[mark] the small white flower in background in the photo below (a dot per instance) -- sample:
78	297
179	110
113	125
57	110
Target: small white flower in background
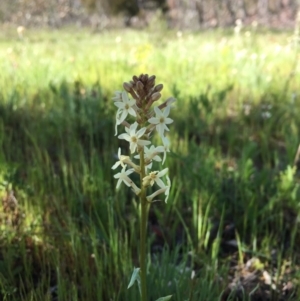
161	120
133	137
20	31
238	26
123	177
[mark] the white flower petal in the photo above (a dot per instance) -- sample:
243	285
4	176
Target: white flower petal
160	183
157	111
126	183
116	165
157	158
168	120
132	112
163	172
123	116
119	104
141	132
119	183
124	136
167	111
124	96
134	126
160	149
132	147
153	120
143	142
131	102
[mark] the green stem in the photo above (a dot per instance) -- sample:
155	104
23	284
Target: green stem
143	230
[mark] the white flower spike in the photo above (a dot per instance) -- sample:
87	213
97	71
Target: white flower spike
143	93
138	107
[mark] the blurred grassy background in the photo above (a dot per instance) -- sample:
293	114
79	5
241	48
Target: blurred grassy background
235	194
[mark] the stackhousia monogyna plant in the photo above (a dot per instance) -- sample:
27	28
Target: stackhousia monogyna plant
137	103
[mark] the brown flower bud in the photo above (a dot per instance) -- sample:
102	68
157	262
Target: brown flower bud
155	96
145	77
151	78
139	85
151	82
158	88
127	87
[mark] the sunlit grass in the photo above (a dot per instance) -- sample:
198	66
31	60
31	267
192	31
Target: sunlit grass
253	62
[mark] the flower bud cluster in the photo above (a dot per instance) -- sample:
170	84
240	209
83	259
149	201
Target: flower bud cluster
136	101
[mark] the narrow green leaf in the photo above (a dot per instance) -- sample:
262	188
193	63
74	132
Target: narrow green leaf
165	298
135	276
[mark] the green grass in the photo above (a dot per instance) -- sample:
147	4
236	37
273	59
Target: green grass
234	139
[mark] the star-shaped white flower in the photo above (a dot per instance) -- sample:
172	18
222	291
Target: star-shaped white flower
123	177
165	189
125	106
133	137
151	153
117	96
125	160
154	177
161	120
122	160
